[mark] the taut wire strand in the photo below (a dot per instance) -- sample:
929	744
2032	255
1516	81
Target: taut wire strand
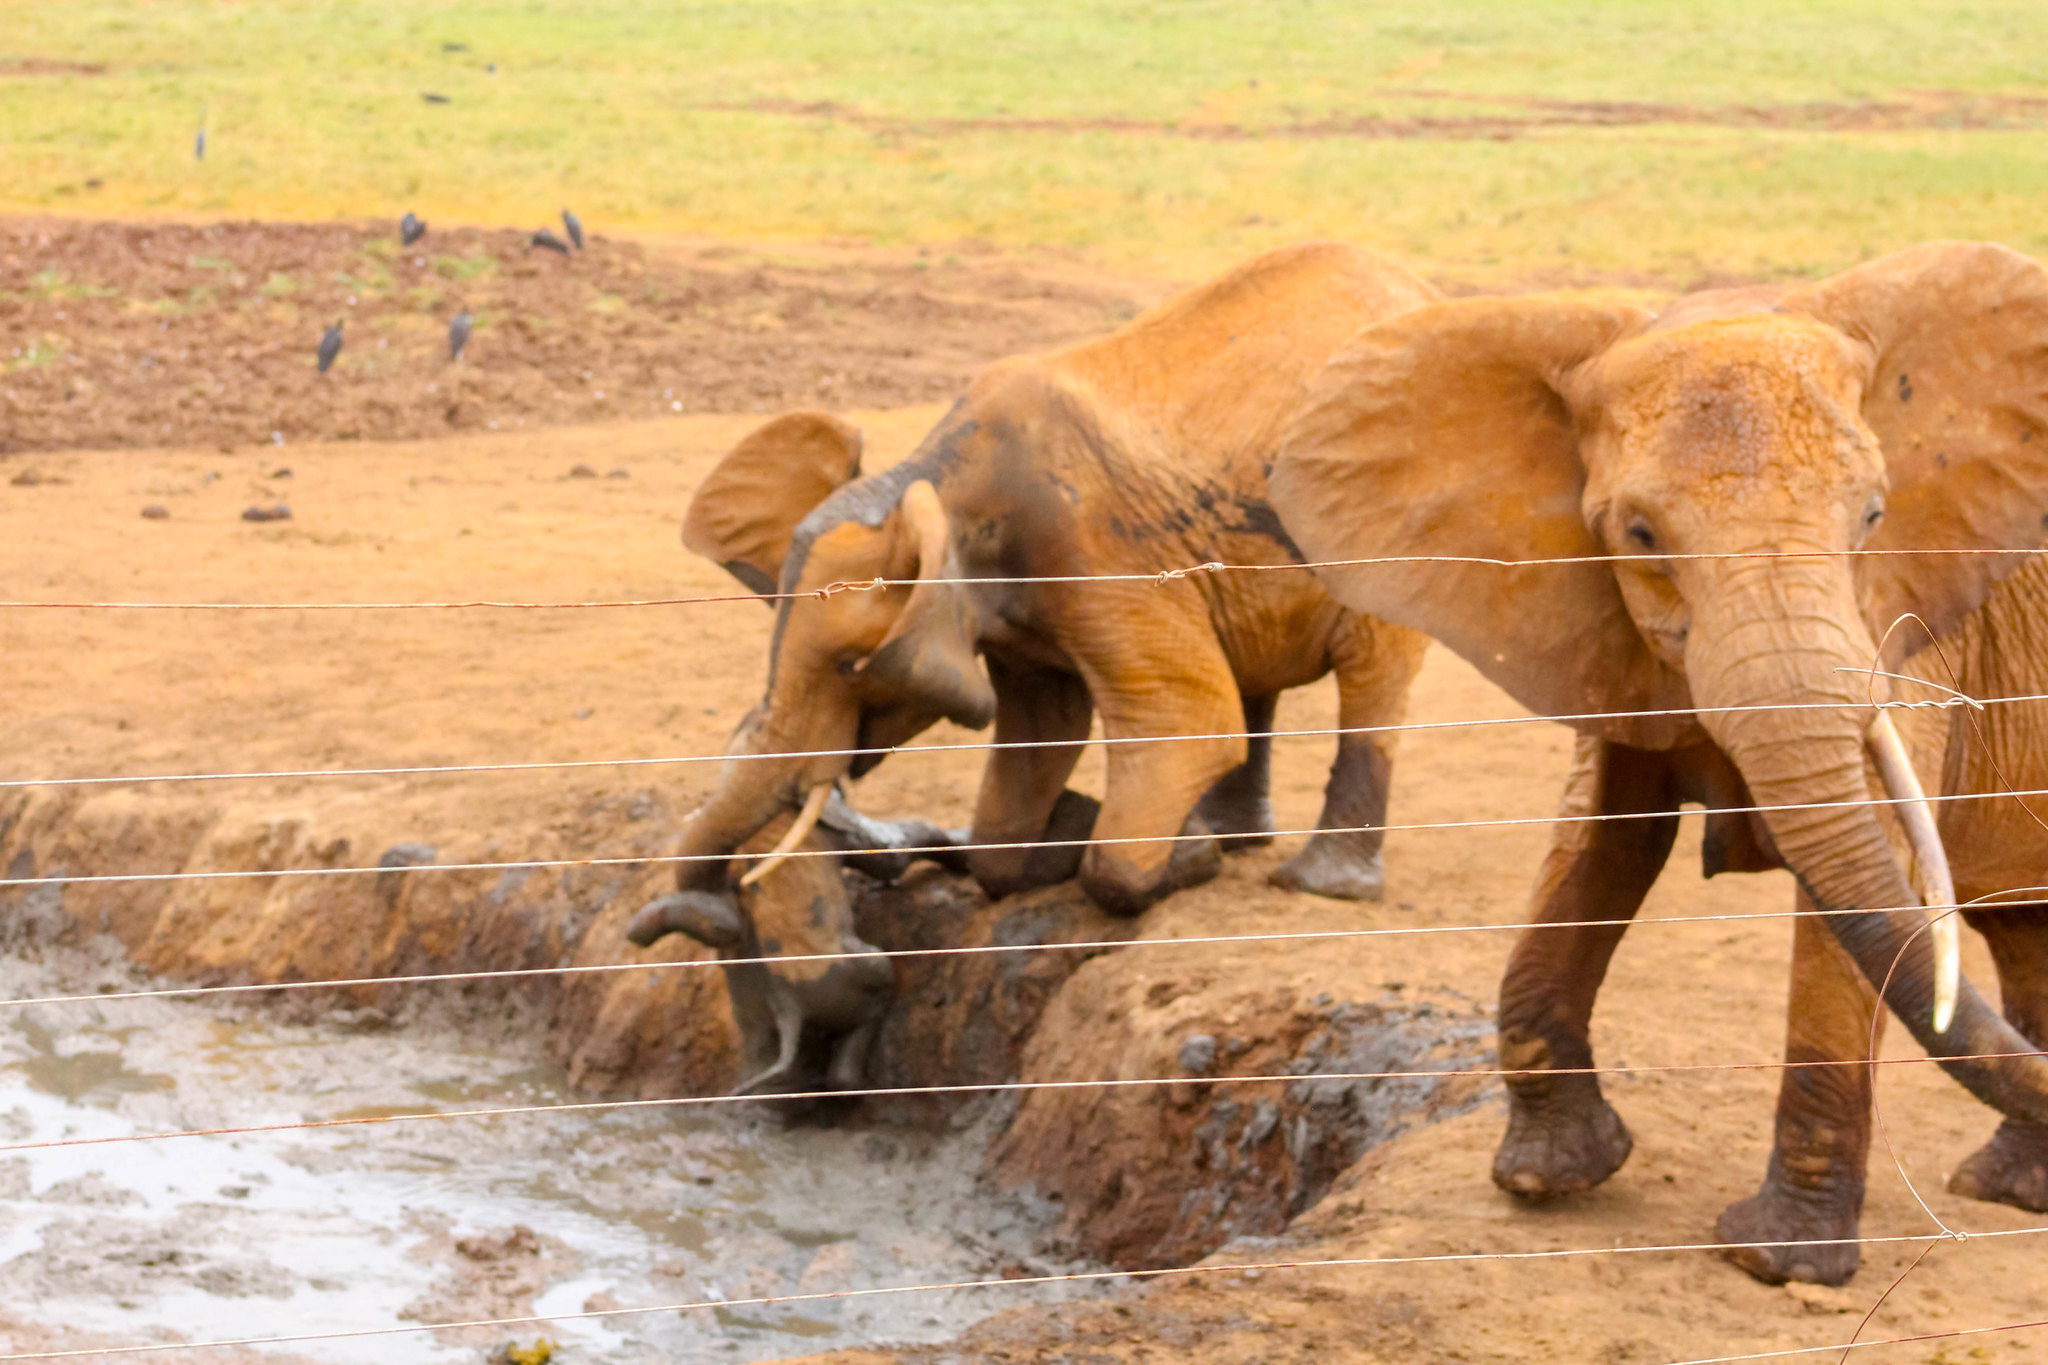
1077	1277
1009	1087
1936	704
966	950
1158	578
647	859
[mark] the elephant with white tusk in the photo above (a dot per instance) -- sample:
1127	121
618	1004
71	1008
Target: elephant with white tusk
1709	474
807	993
1129	457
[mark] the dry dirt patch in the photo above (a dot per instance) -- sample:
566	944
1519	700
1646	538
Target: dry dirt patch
171	334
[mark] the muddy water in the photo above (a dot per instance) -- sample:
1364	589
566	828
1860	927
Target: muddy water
393	1224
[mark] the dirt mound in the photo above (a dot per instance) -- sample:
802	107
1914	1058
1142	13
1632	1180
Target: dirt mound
164	334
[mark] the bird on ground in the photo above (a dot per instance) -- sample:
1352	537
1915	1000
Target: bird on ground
458	335
575	226
330	346
547	239
410	229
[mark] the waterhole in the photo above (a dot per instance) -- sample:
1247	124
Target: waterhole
422	1221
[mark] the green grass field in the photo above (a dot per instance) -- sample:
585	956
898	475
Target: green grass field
1170	136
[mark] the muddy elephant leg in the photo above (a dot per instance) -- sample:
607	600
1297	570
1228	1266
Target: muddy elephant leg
2013	1167
787	1032
1562	1134
1022	789
1178	687
1813	1188
849	1066
1375	665
1238	806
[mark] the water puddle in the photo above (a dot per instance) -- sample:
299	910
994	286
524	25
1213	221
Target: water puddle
385	1225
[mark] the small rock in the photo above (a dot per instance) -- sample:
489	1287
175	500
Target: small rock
156	511
408	854
284	473
582	471
275	512
586	713
1818	1298
501	1244
1264	1123
620	474
1198	1055
234	1191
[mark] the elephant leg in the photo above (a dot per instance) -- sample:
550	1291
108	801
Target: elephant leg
1237	806
1022	789
2013	1167
1813	1188
1375	665
849	1066
1178	687
1562	1134
781	1073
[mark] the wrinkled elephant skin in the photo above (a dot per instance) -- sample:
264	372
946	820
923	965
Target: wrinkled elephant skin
1706	476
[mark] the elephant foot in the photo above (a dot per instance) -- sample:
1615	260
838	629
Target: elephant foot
2012	1168
1008	871
1325	867
1785	1214
1565	1141
1242	823
1123	889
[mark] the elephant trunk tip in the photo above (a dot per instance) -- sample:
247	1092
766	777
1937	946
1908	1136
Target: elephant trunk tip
711	920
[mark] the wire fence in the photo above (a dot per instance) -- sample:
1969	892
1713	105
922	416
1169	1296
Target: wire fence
1949	698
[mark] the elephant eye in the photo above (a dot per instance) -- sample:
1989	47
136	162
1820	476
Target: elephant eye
1642	536
1874	515
848	666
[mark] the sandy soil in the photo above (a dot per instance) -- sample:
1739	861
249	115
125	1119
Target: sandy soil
104	693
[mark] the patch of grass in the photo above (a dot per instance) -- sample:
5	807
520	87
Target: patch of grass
462	269
34	354
1180	134
52	284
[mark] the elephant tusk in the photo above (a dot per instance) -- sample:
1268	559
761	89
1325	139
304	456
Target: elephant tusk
814	805
1932	878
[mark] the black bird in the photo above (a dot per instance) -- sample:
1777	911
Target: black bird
330	346
575	226
410	229
458	335
199	145
550	241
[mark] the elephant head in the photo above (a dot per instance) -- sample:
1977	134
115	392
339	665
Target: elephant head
786	512
1708	468
807	991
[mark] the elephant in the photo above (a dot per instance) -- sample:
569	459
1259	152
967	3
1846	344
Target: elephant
805	1024
1716	484
1136	454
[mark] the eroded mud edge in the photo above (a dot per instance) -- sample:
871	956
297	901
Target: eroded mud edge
1146	1175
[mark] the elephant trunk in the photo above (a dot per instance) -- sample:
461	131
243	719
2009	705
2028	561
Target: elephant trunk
1793	638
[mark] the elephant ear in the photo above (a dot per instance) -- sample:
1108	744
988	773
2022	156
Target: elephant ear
1958	398
748	507
1447	432
928	661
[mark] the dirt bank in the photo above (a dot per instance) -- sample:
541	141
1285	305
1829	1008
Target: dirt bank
171	334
